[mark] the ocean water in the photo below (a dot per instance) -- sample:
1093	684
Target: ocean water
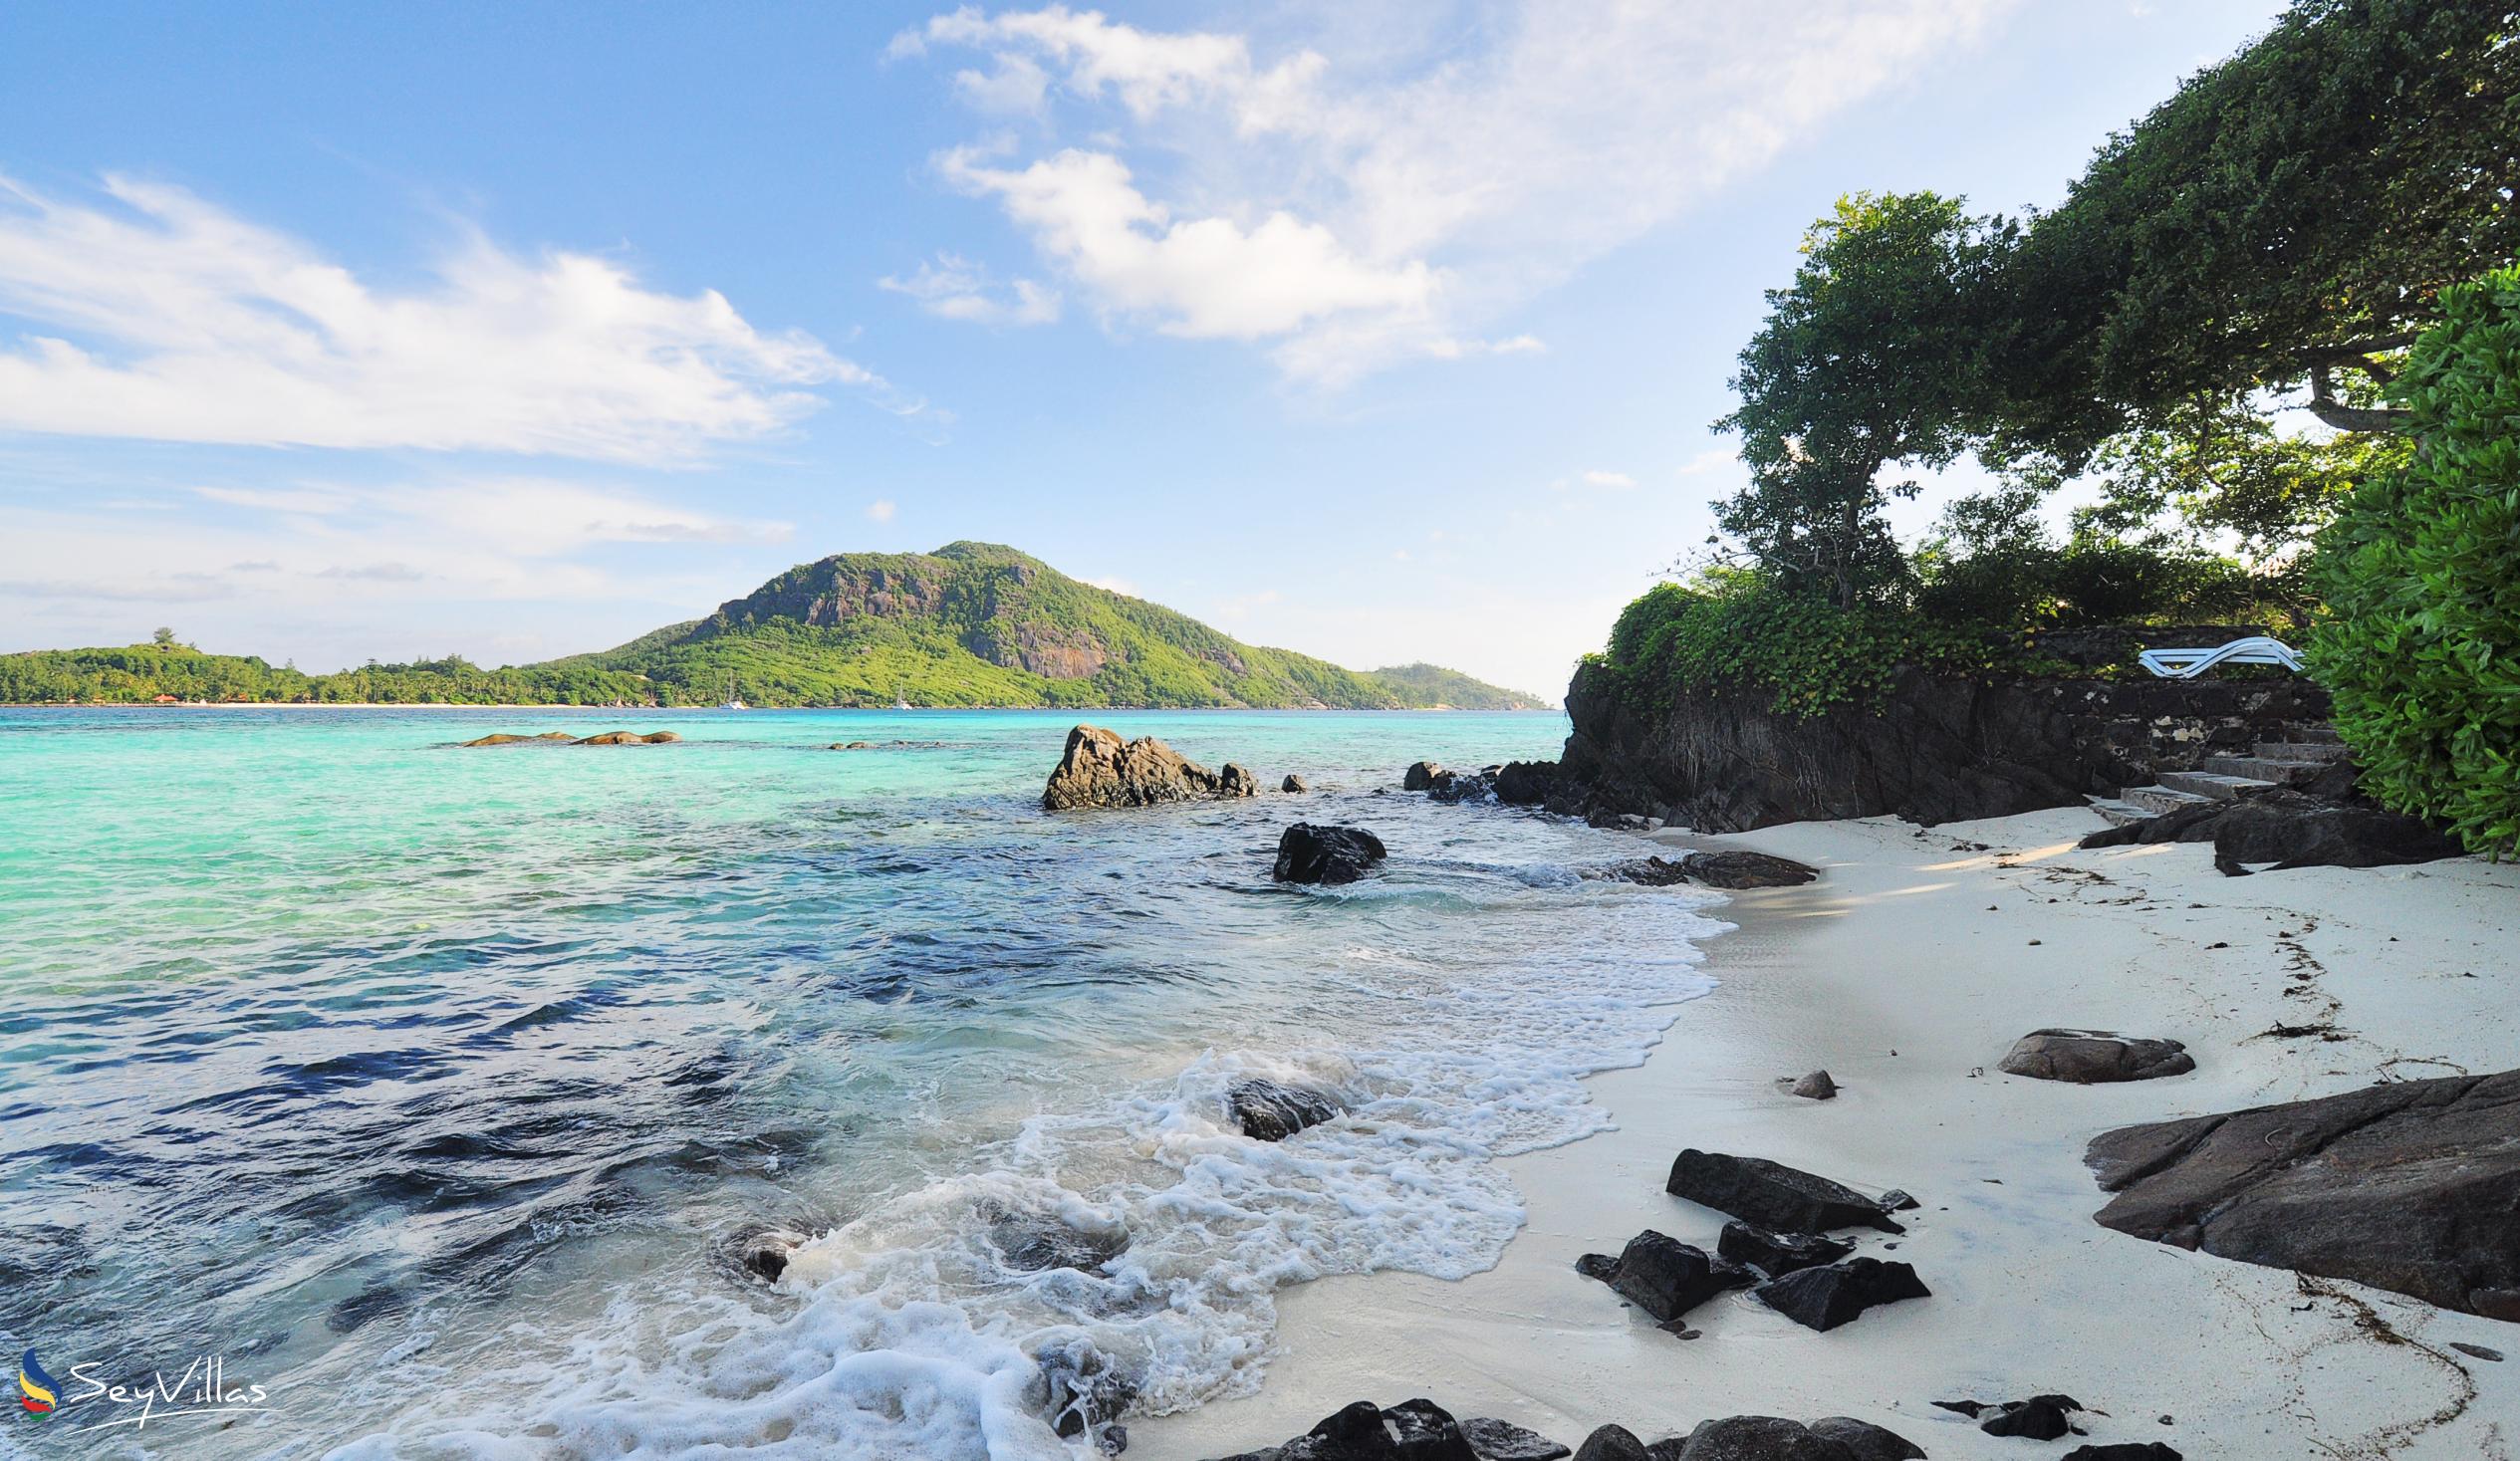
432	1090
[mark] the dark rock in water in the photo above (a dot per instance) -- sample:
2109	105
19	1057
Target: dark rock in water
353	1313
1269	1112
1031	1242
1414	1430
1777	1254
2094	1057
1419	776
1293	783
1647	871
502	738
1613	1443
853	746
1734	868
1526	783
768	1251
1333	855
2412	1186
2039	1418
2125	1451
1099	769
1771	1195
2291	829
1083	1392
1816	1087
1498	1440
1928	749
1827	1296
1865	1441
1461	785
1772	1438
626	738
1663	1275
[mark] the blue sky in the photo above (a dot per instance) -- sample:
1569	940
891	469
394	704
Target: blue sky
1384	332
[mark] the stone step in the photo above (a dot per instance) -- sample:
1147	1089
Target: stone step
2159	799
2210	784
2261	768
2316	752
2116	813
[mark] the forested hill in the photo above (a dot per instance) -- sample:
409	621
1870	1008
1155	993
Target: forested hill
970	624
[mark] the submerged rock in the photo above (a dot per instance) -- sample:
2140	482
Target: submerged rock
1663	1275
1268	1110
502	738
1771	1195
1099	769
2412	1186
1776	1254
1334	855
768	1252
1736	867
1461	785
1826	1297
627	738
2095	1057
852	745
1031	1242
1084	1392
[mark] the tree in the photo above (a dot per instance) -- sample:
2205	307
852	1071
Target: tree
1871	359
2214	473
2421	577
2292	212
164	638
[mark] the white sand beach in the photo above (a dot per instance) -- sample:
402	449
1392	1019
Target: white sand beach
1907	971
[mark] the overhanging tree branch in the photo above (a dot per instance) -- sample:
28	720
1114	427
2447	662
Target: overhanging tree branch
2325	405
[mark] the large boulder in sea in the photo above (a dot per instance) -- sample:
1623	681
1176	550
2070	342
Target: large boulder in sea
2411	1186
2095	1057
1310	854
1099	769
1272	1110
627	738
503	738
1419	776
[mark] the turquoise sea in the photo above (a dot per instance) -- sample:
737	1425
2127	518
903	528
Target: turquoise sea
433	1090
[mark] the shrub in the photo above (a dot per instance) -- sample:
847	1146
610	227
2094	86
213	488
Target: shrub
1755	634
2421	577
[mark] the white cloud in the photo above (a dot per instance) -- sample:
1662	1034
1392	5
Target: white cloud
1388	201
163	317
954	288
1203	278
882	510
1117	586
1597	477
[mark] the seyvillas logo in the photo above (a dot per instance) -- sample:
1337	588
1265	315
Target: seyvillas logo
36	1392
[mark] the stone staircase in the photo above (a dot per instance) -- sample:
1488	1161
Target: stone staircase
2222	777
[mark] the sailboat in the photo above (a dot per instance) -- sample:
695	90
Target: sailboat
732	703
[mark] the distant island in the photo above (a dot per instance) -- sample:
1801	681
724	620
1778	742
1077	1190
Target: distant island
972	624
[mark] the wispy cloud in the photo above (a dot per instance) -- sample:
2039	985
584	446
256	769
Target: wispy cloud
951	287
882	510
153	314
1391	200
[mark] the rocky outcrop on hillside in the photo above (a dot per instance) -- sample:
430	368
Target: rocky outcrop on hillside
1100	769
1935	749
2412	1186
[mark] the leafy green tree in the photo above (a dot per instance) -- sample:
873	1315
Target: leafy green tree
2422	578
163	638
2213	474
2293	211
1872	360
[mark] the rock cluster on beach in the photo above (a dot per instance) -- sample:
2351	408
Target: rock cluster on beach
2306	826
1421	1430
1099	769
2411	1186
562	738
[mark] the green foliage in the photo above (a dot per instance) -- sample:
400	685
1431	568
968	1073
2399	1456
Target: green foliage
2422	579
1428	685
2209	472
1812	655
2294	207
971	624
1872	357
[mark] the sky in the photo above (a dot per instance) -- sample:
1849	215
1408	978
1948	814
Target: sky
1383	332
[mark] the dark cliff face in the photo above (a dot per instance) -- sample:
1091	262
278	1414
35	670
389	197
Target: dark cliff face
1935	750
832	590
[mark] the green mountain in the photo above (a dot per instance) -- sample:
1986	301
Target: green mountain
1434	686
970	624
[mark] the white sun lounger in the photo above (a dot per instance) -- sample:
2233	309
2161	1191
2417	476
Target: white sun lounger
2182	664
